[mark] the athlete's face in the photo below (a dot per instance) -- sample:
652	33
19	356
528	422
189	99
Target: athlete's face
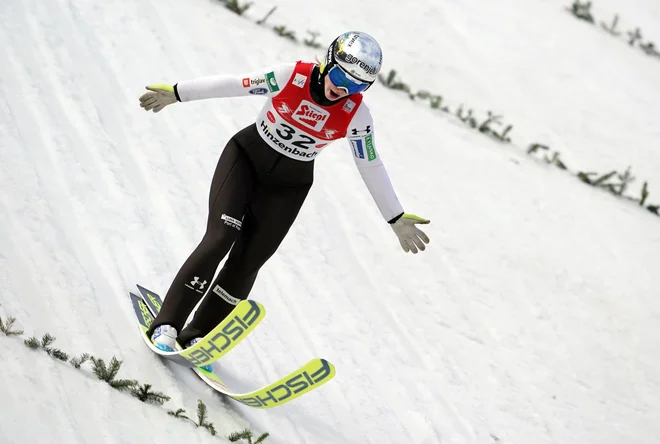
332	92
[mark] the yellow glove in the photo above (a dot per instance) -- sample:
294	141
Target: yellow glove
158	97
410	237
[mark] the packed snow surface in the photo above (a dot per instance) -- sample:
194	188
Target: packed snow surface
532	317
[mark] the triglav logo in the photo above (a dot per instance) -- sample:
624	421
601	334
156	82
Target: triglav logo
311	116
254	82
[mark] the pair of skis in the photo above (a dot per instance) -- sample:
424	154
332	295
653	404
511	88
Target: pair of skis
225	336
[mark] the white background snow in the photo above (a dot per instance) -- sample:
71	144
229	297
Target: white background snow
533	316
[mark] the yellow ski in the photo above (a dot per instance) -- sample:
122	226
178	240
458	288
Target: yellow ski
307	378
232	330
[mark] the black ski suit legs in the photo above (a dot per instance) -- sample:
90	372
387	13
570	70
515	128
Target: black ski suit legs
266	223
252	206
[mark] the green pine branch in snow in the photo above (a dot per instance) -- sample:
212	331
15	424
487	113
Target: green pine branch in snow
108	373
493	119
392	83
282	31
645	194
466	118
77	362
179	413
145	394
634	36
57	354
235	6
612	27
247	436
32	343
263	20
7	327
533	148
311	42
45	344
554	160
649	49
582	11
202	418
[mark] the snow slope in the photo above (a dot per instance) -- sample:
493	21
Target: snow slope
530	318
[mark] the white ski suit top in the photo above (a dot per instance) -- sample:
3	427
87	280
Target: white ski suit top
293	142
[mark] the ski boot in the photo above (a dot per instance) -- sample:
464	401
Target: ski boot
164	337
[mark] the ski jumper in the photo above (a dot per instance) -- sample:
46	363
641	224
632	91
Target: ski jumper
260	183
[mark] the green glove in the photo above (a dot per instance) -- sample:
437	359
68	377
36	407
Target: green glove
158	97
410	237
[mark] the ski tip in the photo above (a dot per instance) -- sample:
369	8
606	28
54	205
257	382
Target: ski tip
143	288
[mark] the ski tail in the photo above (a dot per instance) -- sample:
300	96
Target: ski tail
153	300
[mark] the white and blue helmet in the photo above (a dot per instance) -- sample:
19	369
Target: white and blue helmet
357	53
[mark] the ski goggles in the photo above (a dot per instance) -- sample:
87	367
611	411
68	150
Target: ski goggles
341	79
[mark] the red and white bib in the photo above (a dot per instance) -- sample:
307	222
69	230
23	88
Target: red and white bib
294	125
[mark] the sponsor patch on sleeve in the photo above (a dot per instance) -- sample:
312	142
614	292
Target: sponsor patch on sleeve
358	151
271	81
369	143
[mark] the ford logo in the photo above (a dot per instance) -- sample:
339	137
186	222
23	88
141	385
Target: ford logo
258	91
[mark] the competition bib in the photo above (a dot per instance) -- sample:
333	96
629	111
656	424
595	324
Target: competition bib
292	124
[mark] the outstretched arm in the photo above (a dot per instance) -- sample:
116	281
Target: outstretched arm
267	81
362	138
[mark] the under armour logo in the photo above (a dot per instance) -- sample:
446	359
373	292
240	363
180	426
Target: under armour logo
367	130
195	282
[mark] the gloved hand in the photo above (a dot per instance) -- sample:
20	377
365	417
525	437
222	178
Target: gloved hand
410	237
158	97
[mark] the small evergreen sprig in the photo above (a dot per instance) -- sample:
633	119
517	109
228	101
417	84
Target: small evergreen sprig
179	413
634	36
611	28
582	11
45	344
485	127
312	41
202	418
391	82
247	435
263	20
235	6
7	327
109	372
554	160
145	394
282	31
77	362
